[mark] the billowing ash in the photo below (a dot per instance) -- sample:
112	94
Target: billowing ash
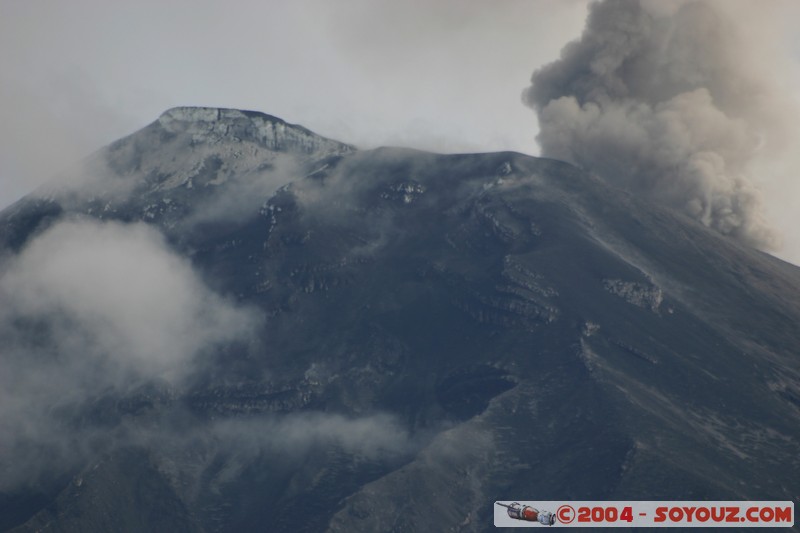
663	99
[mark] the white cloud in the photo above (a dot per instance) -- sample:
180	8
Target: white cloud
130	299
90	309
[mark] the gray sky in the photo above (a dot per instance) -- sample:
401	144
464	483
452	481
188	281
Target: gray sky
443	75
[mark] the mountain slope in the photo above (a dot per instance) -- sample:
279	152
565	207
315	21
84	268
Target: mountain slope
436	332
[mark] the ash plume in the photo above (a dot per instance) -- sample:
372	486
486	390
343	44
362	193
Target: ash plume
672	100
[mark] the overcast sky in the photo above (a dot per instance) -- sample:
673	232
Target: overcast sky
443	75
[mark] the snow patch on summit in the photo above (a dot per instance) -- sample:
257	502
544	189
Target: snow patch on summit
212	125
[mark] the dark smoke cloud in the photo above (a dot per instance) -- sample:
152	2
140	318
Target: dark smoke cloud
666	99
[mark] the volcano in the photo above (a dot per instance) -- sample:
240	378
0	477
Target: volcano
430	333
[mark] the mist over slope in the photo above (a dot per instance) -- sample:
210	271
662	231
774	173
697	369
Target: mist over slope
224	319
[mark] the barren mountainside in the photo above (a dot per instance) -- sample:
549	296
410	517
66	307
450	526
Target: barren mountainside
391	340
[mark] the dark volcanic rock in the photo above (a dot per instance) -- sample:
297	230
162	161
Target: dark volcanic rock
529	332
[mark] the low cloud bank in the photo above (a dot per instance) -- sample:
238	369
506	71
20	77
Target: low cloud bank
91	309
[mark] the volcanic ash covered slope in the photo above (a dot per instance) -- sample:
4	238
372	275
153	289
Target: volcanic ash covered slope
391	341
